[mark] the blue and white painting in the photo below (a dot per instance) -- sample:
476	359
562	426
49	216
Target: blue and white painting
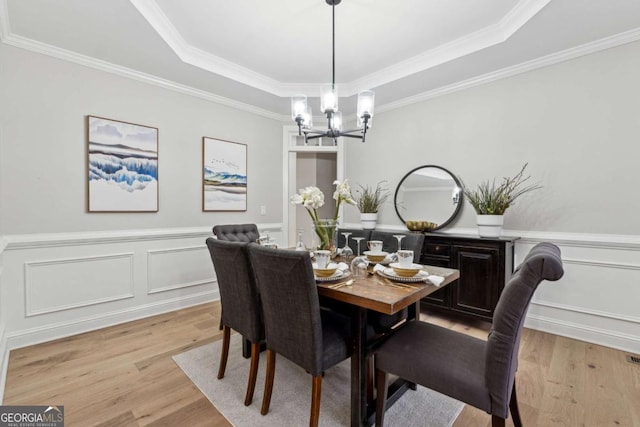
123	166
224	175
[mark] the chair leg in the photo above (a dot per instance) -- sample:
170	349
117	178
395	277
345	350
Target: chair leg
253	372
226	336
496	421
268	381
316	393
382	384
513	405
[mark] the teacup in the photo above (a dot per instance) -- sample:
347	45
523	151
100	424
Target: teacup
322	258
405	258
375	245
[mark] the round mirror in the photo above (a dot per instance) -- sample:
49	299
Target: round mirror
428	194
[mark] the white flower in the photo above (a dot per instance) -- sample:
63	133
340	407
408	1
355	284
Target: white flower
309	197
343	192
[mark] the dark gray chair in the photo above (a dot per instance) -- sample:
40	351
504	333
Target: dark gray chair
239	297
477	372
295	326
237	232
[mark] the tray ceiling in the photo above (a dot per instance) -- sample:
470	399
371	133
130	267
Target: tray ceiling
260	52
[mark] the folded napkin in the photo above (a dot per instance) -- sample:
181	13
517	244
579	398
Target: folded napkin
379	267
343	266
436	280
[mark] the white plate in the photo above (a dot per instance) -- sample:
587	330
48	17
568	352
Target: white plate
339	274
390	274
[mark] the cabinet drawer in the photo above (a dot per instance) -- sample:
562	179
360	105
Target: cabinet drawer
437	261
436	249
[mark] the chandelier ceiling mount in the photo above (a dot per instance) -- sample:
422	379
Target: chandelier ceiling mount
302	113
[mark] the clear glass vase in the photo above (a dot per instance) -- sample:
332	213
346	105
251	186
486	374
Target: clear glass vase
326	235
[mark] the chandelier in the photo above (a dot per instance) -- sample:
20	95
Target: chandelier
302	115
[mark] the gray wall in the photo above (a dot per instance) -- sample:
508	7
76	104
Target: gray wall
576	123
43	165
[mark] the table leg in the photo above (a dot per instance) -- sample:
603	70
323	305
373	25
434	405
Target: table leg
359	368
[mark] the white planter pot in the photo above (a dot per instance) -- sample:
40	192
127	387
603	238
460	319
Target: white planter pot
368	220
489	225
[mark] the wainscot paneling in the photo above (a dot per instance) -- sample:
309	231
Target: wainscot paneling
597	298
56	285
64	284
177	268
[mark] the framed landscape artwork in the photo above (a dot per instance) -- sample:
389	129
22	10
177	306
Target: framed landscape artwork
122	166
224	183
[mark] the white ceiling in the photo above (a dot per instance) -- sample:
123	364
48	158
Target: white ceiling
258	52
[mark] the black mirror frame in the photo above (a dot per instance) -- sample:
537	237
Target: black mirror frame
455	179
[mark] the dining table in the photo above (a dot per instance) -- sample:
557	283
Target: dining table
377	292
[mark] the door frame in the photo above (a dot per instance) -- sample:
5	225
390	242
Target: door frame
289	155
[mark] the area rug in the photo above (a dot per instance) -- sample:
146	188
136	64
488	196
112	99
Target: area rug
291	398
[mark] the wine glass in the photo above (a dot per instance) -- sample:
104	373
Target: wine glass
300	246
346	250
399	237
358	239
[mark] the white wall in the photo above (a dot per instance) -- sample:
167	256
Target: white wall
64	270
576	124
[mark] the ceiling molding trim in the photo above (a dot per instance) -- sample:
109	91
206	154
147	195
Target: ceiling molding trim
474	42
5	28
189	54
87	61
545	61
486	37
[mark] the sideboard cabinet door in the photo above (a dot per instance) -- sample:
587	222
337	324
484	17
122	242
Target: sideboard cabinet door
485	266
479	287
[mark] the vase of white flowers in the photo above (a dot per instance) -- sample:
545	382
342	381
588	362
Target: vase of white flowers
325	229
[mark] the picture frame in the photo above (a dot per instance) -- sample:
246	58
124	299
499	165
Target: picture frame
224	175
122	166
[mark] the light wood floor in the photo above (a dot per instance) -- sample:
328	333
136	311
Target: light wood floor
124	376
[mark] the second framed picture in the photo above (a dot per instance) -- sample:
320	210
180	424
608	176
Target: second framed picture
224	183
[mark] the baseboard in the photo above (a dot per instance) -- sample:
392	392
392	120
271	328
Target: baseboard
603	337
55	331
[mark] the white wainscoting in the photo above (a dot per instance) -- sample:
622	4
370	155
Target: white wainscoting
57	285
47	283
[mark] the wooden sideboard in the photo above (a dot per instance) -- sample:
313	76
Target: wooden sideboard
485	265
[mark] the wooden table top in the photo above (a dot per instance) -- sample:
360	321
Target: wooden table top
386	296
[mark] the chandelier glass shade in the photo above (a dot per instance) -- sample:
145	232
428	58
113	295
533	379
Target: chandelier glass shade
302	114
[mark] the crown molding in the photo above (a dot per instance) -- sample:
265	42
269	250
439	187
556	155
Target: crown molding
87	61
189	54
474	42
486	37
545	61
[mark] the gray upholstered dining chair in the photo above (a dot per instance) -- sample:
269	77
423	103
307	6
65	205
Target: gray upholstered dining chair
477	372
295	326
237	232
239	296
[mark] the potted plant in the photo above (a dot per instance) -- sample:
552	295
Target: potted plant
369	200
491	200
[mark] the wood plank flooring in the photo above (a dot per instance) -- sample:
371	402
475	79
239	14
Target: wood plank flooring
124	376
